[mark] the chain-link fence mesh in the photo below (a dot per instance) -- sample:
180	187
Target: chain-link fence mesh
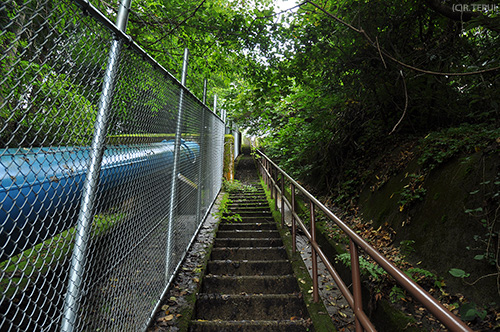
54	56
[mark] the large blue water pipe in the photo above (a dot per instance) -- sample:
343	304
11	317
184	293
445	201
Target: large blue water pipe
40	187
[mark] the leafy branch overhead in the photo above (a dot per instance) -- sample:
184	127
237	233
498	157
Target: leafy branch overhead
342	75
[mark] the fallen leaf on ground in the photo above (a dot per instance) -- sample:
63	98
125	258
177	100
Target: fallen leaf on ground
166	318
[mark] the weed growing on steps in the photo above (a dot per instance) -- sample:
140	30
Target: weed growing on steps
223	212
236	186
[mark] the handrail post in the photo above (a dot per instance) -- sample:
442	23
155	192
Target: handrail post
269	175
271	180
264	170
275	171
314	257
294	227
282	200
356	284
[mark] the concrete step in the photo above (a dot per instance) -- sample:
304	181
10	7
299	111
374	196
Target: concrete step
256	219
248	193
229	226
245	203
244	214
248	242
245	210
242	268
249	203
248	198
283	284
259	199
297	325
249	234
260	253
250	307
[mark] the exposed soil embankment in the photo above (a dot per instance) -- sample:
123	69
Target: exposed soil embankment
446	217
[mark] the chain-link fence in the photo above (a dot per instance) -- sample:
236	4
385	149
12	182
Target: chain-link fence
107	168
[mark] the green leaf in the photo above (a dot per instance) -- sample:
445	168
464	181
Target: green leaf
479	209
458	273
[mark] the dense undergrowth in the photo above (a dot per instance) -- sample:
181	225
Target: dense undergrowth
373	170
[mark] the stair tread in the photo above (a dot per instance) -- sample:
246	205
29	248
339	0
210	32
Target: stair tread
281	325
242	290
210	296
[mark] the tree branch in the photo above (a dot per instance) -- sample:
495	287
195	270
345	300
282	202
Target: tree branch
463	15
178	25
382	51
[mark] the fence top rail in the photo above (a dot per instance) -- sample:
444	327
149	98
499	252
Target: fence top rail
86	6
434	306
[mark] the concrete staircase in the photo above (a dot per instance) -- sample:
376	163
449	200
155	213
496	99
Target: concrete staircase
249	283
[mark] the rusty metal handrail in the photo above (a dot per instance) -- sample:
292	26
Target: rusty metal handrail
267	167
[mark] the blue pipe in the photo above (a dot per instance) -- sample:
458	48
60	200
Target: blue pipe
40	188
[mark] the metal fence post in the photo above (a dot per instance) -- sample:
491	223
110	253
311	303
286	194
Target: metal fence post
85	216
202	136
177	147
205	91
200	163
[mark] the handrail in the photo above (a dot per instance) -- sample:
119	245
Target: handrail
267	167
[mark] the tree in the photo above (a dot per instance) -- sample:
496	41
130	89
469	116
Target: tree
354	73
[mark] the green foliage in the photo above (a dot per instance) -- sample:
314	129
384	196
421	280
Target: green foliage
419	275
470	311
397	294
224	211
330	98
412	192
438	147
488	196
458	273
45	99
42	257
406	247
367	268
236	186
220	35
